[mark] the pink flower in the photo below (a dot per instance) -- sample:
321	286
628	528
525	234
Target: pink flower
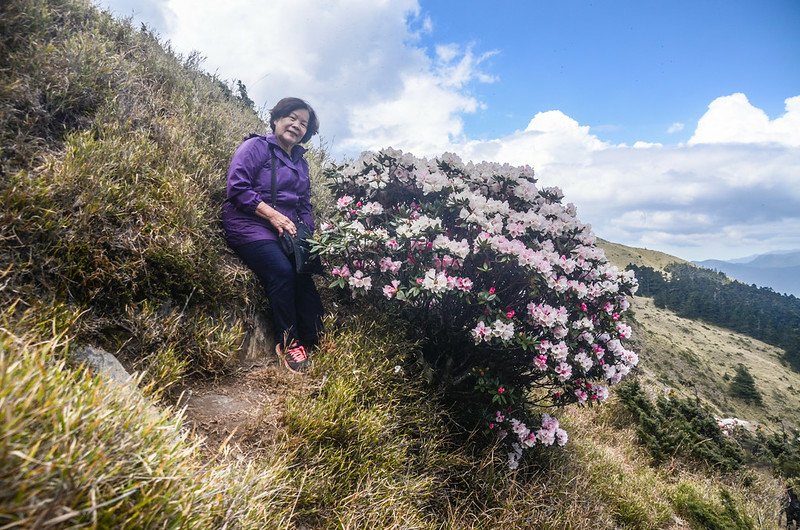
510	313
492	290
561	437
360	281
392	244
540	362
390	290
481	332
615	316
343	201
501	390
387	264
464	284
564	371
342	272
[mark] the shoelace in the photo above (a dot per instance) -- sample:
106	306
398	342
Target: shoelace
297	353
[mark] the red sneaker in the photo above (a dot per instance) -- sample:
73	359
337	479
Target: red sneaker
294	358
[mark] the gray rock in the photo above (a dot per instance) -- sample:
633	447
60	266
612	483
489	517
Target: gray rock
259	343
100	362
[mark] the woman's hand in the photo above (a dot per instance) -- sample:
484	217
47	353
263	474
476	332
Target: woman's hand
276	219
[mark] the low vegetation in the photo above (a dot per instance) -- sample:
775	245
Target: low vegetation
76	451
113	158
710	296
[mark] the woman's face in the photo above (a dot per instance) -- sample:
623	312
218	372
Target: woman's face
290	129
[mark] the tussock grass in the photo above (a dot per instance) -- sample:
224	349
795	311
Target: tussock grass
79	451
371	442
372	447
114	157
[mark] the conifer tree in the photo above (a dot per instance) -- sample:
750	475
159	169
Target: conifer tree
743	386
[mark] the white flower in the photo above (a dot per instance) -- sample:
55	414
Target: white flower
435	283
372	208
359	281
502	330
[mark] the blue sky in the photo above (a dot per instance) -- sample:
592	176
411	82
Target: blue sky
630	69
673	126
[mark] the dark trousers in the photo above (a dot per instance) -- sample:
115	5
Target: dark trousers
296	306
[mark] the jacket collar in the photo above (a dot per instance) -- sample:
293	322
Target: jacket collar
297	150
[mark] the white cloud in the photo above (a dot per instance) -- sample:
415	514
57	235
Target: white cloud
733	119
356	61
675	127
699	200
551	137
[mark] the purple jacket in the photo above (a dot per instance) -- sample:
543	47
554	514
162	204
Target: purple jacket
249	182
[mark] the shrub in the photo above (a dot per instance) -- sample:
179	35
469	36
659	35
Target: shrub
514	304
743	386
679	427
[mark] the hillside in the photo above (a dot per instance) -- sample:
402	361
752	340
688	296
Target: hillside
690	356
695	358
106	136
622	256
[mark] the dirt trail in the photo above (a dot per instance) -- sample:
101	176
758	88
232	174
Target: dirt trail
244	407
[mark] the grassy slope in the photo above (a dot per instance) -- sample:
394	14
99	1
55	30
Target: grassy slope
686	354
689	355
135	134
622	256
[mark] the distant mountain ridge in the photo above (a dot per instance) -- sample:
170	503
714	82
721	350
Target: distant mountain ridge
779	271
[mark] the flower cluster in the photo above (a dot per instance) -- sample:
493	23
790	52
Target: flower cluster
505	285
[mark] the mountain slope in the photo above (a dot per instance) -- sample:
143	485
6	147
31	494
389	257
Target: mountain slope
693	357
622	256
106	138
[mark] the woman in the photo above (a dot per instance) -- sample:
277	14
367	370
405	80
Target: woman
254	217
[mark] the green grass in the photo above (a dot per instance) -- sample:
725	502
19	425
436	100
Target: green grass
113	179
113	163
709	513
79	451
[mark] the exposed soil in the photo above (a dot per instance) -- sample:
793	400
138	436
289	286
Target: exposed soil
242	410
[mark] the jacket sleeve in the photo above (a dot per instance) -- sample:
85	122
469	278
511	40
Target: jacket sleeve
244	167
304	210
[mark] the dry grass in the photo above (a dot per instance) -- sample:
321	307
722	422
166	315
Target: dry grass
114	155
106	138
77	451
622	256
688	355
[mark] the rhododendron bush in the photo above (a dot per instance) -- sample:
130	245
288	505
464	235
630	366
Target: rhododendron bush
517	309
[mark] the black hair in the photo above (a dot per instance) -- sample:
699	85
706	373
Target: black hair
286	106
